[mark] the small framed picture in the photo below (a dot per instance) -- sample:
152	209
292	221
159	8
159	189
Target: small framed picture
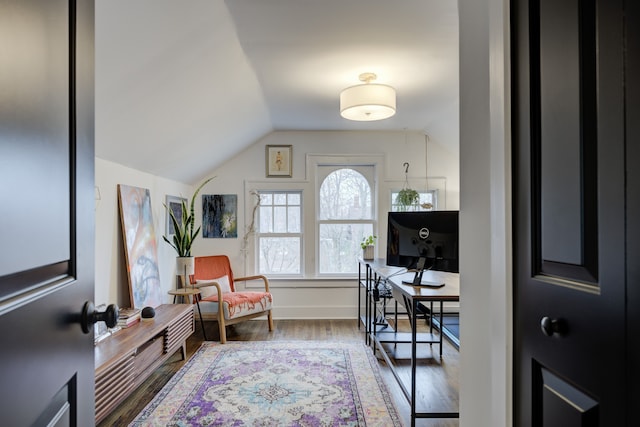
174	203
278	159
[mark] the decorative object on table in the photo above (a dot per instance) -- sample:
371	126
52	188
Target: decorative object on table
184	233
306	383
407	197
220	216
368	247
173	204
279	161
148	313
128	317
141	251
184	269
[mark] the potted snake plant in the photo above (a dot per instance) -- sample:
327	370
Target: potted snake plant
185	234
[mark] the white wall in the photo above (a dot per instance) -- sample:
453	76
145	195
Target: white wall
111	284
298	299
485	215
322	299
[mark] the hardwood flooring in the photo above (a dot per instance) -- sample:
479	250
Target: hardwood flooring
437	378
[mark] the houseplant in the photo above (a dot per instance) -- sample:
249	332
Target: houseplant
407	197
367	245
185	234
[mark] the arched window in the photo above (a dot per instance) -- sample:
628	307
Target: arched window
346	214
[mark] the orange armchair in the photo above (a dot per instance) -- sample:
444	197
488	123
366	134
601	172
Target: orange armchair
214	278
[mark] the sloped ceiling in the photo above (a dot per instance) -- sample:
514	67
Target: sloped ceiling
182	86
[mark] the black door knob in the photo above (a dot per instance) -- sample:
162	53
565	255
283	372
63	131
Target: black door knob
551	326
91	316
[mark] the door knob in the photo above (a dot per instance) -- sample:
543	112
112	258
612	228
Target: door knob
552	326
91	316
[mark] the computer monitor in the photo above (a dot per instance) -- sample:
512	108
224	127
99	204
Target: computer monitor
423	241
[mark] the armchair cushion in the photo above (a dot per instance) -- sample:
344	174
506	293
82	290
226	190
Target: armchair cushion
207	289
210	267
239	304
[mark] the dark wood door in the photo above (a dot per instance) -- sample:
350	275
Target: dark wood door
47	211
571	220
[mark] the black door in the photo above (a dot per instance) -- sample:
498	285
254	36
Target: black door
572	217
46	211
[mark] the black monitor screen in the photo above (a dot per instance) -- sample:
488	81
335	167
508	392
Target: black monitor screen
432	236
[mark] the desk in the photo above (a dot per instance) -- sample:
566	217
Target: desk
185	293
410	296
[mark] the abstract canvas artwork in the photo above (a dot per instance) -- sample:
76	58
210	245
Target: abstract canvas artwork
220	215
141	251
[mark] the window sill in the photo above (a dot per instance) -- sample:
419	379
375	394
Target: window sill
309	282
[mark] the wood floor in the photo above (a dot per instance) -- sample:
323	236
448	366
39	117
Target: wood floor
437	378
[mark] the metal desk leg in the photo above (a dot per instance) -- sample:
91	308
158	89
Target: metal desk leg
441	328
414	310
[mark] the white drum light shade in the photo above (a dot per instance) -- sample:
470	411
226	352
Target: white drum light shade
368	102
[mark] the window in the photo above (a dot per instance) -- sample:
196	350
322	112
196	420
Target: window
310	230
426	198
345	217
279	233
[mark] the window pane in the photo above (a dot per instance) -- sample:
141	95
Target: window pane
340	247
293	219
293	199
345	194
280	219
279	255
266	220
279	199
266	199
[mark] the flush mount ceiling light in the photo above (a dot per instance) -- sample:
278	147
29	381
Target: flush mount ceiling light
368	101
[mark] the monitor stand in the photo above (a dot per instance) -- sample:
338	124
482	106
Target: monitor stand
417	279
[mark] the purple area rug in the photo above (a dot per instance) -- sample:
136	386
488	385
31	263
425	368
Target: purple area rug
294	383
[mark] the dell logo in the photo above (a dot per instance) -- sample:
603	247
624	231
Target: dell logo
424	233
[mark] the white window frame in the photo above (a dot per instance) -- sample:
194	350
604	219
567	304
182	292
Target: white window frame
309	187
416	206
317	164
299	234
250	246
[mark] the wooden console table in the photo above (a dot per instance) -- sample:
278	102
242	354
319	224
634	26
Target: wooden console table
124	360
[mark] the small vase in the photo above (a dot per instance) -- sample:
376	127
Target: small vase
368	252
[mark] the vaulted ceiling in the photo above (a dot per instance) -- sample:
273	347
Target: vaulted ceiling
182	86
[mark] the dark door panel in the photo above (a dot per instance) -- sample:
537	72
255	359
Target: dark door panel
47	227
570	219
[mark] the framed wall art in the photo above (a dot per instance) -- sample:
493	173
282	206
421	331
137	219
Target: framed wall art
278	159
220	216
174	204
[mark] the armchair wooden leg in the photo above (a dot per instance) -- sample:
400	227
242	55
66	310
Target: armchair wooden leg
222	328
270	319
223	334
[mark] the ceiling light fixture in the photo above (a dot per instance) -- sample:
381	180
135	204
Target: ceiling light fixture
368	101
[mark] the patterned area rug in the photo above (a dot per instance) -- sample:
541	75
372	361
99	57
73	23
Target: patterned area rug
294	383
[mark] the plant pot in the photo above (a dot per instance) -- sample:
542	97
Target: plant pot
185	267
368	252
